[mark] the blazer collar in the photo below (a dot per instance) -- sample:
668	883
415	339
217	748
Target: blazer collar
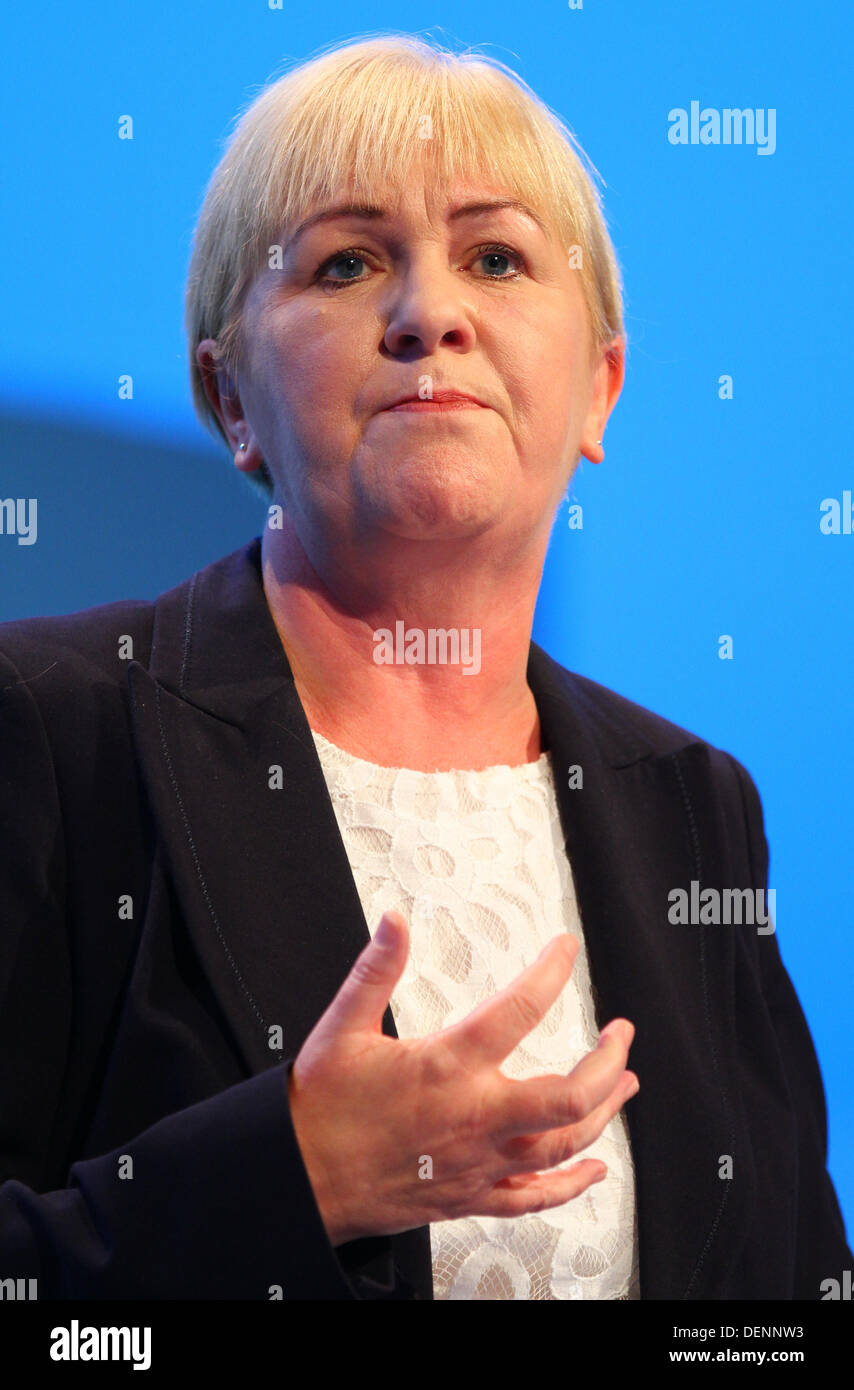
270	902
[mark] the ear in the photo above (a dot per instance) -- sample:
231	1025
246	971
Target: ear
221	390
608	377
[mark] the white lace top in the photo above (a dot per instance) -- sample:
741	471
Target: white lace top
476	863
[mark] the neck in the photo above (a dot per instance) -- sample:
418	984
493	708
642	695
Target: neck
460	700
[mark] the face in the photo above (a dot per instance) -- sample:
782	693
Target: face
451	292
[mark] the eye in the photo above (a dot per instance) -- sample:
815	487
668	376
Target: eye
495	251
350	255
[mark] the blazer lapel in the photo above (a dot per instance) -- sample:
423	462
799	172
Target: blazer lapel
641	825
243	812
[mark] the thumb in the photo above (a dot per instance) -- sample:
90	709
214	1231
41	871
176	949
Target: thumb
363	998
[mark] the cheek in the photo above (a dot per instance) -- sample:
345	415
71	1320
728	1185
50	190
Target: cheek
319	357
545	397
541	355
545	372
311	370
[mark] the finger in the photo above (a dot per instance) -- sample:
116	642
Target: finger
539	1152
517	1196
495	1027
363	997
552	1102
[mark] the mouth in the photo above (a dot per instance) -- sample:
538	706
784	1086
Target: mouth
424	407
441	400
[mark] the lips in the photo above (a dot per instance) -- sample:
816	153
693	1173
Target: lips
440	397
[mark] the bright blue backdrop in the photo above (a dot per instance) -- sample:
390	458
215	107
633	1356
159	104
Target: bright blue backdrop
703	519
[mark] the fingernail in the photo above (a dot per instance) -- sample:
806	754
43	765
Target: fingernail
384	932
620	1029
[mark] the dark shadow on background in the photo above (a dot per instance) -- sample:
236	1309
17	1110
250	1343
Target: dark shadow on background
118	516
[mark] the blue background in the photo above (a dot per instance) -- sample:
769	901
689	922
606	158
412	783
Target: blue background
703	519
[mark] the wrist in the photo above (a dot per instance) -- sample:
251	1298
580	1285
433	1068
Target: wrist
324	1193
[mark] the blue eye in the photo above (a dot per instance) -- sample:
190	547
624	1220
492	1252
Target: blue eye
500	253
349	255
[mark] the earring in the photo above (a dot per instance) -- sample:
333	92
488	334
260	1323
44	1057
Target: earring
243	446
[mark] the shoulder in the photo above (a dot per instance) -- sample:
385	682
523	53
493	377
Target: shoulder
88	642
626	732
647	730
69	671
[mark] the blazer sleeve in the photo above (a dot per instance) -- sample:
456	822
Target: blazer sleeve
821	1249
220	1204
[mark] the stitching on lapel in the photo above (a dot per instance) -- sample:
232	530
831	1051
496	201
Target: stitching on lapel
698	865
188	635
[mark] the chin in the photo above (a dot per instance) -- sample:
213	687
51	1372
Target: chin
437	510
441	490
436	521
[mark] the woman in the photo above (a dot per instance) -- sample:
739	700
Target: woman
329	874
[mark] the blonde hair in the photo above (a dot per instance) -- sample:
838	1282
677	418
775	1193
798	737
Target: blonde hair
357	116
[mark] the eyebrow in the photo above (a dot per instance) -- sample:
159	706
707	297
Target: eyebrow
368	212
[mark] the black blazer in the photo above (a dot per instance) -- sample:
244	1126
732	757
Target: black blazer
162	909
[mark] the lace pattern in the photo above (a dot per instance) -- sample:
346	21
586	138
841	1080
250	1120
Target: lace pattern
476	863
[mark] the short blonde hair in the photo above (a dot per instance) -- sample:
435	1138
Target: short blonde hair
357	116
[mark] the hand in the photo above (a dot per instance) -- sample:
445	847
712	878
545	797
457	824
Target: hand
368	1109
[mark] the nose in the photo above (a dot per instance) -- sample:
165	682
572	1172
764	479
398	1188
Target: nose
428	309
